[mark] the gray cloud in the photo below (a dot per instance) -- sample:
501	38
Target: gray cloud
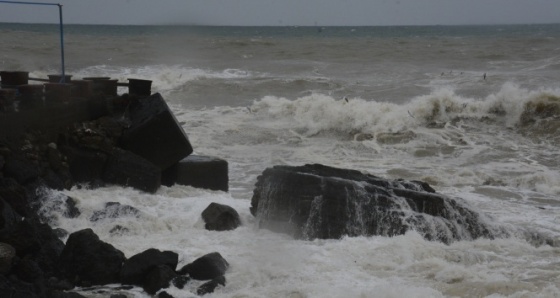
289	12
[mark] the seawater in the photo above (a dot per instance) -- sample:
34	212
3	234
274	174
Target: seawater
472	110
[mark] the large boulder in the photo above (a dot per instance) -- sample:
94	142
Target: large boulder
198	171
128	169
219	217
8	216
136	268
35	240
13	288
14	194
207	267
317	201
154	133
21	169
86	165
159	277
210	286
88	260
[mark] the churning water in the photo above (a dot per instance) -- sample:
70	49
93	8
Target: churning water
474	111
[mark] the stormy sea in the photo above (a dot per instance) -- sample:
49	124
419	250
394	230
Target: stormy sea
472	110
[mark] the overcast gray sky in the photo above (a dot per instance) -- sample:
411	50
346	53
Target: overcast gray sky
288	12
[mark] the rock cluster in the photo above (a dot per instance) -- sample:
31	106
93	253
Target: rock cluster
34	261
317	201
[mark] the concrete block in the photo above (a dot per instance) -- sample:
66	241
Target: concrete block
198	171
127	169
154	133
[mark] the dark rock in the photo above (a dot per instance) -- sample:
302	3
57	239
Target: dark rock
220	217
21	169
118	296
14	288
90	135
112	127
57	284
164	294
154	133
86	258
316	201
128	169
210	286
60	233
198	171
61	294
137	266
86	165
8	217
28	270
36	191
114	210
180	281
159	277
54	157
30	237
7	254
14	194
206	267
71	210
53	180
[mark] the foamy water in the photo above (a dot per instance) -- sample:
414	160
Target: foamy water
410	106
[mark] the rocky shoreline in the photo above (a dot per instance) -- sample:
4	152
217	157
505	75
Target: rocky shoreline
135	141
129	140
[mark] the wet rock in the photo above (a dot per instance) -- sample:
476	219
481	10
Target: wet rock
61	294
136	267
159	277
57	284
87	259
71	210
114	210
198	171
30	237
317	201
210	286
154	133
60	233
206	267
53	180
15	196
180	281
28	270
86	165
7	254
21	169
220	217
164	294
8	217
128	169
13	288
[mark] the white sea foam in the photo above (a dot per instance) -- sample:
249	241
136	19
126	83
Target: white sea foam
283	103
462	141
264	263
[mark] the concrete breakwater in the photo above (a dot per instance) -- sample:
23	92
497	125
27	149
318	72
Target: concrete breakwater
49	104
59	134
